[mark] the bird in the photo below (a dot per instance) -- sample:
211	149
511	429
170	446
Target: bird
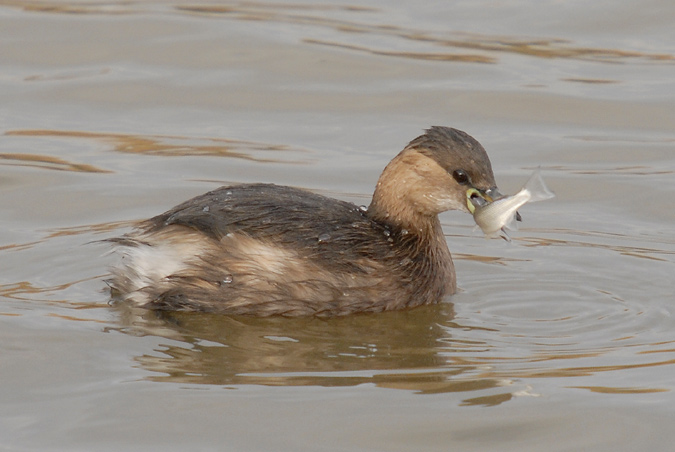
271	250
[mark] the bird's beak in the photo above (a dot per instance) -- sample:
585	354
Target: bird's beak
478	198
493	194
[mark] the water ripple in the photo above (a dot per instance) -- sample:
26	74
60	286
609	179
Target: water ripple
347	21
158	145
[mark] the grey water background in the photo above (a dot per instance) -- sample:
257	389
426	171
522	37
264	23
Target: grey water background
564	339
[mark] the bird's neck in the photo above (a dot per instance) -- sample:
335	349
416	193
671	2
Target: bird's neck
392	203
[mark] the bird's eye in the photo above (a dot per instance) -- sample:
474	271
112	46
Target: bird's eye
461	177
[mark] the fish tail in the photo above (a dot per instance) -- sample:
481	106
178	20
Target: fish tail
537	187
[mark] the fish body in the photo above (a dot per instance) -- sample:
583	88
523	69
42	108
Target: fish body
502	213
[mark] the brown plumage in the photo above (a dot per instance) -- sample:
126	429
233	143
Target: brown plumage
263	249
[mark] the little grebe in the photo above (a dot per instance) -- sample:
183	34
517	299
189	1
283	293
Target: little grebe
263	249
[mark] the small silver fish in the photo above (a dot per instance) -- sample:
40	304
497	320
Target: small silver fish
502	213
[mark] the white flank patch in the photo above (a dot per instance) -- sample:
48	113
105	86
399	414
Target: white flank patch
146	265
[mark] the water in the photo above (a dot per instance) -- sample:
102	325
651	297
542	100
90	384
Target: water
563	339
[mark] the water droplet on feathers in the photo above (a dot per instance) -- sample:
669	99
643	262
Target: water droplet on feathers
324	237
